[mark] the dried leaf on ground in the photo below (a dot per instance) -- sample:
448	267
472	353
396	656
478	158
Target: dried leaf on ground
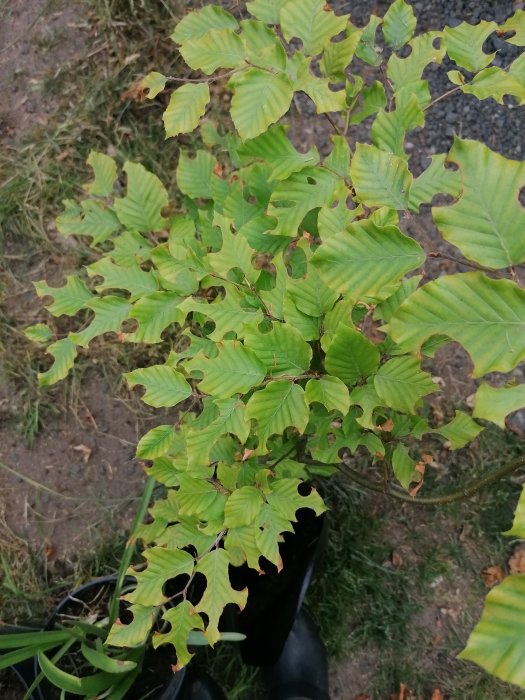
492	575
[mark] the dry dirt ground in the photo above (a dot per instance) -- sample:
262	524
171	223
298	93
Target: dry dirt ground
78	480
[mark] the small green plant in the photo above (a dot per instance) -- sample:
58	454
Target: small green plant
305	322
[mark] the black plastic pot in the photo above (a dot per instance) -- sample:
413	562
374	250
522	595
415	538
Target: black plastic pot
154	667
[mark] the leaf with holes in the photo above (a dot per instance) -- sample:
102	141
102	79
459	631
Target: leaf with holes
182	620
67	300
105	171
90	218
110	312
164	385
312	22
132	279
134	633
140	210
425	48
329	391
464	44
162	565
154	83
487	220
460	431
494	404
279	405
64	353
219	592
486	316
235	370
399	24
436	179
154	313
404	467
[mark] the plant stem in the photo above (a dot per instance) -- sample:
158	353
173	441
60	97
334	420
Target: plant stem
454	496
129	549
336	128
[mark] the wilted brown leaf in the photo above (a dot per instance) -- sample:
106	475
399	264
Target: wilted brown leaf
387	426
437	694
397	560
517	561
420	469
492	575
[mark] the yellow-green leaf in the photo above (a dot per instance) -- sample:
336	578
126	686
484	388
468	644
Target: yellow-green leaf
495	404
186	107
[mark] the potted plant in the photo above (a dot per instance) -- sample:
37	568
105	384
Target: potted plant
305	323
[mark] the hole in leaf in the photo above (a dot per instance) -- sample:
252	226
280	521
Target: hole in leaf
436	43
449	165
405	51
284	204
350	203
521	197
311	180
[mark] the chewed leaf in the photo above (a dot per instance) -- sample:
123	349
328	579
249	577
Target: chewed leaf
162	565
134	633
183	621
164	385
105	170
399	24
64	352
154	83
495	404
276	407
67	300
140	209
464	44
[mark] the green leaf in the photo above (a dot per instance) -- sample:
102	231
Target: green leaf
266	10
130	247
262	47
89	686
495	404
497	83
162	565
308	327
219	591
38	333
436	179
329	391
351	356
400	384
154	83
185	109
496	644
164	385
105	171
366	397
135	633
317	89
68	299
235	370
366	49
154	312
275	148
227	314
241	545
311	295
464	44
518	524
260	99
380	178
183	620
156	442
194	174
389	128
372	99
312	22
132	279
218	48
91	218
243	506
486	316
292	199
103	662
198	22
367	261
339	158
270	526
282	350
338	55
64	352
487	221
385	310
234	253
140	209
406	71
404	467
515	24
460	431
285	499
276	407
399	24
110	313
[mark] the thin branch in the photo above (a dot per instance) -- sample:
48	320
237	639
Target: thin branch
462	261
336	128
211	79
389	490
445	94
